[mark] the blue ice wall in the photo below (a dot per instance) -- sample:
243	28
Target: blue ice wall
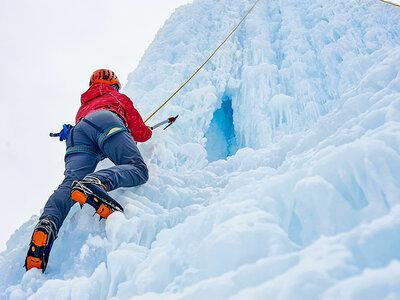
307	208
221	138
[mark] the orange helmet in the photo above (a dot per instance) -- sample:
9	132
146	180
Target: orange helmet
105	76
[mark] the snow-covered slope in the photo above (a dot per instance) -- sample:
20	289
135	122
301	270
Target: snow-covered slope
280	179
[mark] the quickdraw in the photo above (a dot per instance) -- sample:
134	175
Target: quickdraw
63	133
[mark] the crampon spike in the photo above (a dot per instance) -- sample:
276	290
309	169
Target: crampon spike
92	192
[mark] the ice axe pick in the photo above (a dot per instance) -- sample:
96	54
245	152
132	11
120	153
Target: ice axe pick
168	121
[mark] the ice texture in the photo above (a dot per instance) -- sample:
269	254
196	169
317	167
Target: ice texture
279	180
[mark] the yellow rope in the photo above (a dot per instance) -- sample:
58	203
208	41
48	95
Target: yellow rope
390	3
203	63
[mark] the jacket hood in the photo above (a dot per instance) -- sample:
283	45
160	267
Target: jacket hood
96	90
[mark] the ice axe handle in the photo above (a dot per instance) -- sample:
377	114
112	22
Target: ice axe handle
169	121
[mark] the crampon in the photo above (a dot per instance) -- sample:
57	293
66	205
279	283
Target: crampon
90	190
42	240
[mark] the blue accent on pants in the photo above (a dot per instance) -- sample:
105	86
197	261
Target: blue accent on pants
129	170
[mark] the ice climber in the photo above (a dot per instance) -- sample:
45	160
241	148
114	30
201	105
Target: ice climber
107	125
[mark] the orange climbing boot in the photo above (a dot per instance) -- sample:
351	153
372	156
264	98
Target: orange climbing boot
42	240
90	190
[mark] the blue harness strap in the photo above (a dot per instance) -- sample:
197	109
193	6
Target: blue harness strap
82	149
92	124
109	132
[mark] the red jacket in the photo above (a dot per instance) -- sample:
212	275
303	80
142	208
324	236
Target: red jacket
102	96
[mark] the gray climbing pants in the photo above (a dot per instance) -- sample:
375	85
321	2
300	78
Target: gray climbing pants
100	134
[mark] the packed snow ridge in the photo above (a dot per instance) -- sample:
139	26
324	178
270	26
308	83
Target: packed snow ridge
280	179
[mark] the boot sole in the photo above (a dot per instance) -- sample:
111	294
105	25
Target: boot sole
39	239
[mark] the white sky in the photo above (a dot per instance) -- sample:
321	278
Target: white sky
48	51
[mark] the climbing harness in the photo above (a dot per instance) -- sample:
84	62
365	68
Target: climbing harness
106	133
102	137
394	4
202	64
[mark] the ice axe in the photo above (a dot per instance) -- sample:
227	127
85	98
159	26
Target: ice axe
168	121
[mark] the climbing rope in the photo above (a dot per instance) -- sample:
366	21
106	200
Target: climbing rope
203	63
394	4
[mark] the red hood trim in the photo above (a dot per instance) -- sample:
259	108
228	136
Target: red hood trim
96	90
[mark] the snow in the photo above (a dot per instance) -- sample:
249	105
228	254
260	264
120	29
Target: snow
279	180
